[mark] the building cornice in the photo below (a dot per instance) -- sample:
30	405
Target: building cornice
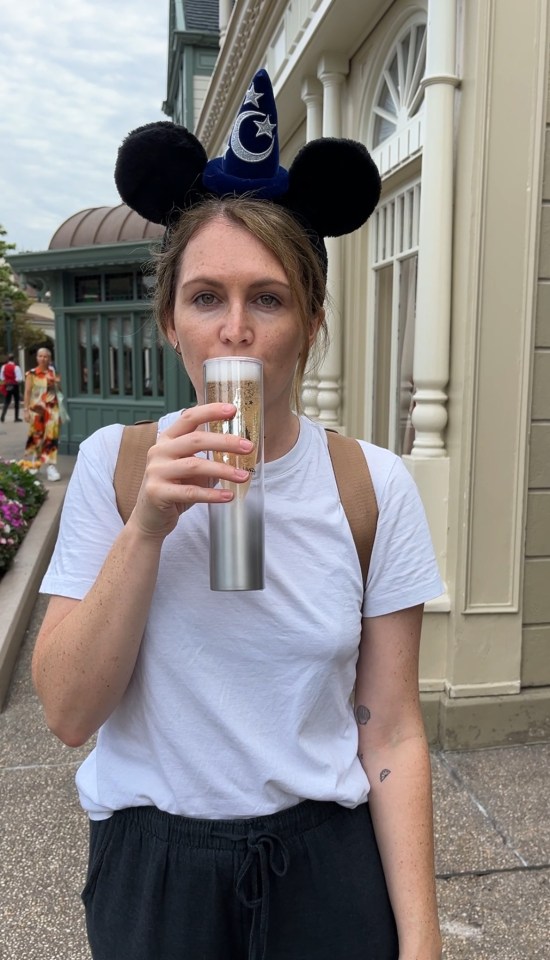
77	258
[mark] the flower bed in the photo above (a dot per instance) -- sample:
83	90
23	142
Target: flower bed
21	496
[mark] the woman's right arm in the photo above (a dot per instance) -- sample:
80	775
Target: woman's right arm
27	396
87	649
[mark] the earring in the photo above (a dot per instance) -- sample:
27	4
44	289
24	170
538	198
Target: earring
177	348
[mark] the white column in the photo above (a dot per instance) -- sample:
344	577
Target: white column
433	309
312	95
332	71
225	7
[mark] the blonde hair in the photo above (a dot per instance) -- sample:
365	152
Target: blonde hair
284	237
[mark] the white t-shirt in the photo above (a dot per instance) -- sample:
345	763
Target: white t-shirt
239	704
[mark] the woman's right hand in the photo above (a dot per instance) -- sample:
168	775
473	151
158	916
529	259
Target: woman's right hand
175	477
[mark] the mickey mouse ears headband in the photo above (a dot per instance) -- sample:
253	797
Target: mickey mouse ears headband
331	187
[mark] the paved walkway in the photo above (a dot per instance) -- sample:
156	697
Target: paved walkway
492	820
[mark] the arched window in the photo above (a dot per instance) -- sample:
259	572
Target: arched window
396	130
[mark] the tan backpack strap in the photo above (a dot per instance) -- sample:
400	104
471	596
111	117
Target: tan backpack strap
136	440
356	491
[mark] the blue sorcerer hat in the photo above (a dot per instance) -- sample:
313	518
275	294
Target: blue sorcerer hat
331	187
251	158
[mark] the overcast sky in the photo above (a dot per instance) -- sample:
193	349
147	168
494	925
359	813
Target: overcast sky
75	77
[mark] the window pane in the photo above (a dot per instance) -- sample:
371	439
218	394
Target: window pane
87	289
382	350
145	286
82	357
406	326
114	344
96	367
128	349
119	286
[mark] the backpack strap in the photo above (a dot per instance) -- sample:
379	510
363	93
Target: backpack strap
357	495
350	467
136	440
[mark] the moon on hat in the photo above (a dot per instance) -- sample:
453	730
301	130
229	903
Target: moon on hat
237	145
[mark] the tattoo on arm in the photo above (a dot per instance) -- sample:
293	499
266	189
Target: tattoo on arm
383	774
362	714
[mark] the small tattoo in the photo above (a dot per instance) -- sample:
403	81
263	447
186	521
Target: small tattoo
384	774
362	714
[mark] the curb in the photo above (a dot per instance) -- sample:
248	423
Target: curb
19	586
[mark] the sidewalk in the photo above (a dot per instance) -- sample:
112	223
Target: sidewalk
492	822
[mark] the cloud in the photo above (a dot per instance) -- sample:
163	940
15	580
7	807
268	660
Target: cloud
75	78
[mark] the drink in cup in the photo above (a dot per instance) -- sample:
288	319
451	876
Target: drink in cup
237	527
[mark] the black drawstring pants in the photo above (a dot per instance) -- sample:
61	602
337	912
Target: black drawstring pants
304	884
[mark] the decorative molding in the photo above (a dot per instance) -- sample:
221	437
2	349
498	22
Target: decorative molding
449	78
431	686
440	604
461	690
226	83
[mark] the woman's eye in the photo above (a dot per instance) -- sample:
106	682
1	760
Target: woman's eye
205	299
268	300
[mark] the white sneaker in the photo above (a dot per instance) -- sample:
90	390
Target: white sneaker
53	473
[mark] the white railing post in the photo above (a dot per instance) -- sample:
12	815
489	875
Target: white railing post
433	307
312	95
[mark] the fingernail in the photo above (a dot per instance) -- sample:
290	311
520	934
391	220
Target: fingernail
228	408
242	474
246	445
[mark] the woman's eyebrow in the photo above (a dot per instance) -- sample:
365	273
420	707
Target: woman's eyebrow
214	282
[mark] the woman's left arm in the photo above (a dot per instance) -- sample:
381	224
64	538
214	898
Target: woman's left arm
394	752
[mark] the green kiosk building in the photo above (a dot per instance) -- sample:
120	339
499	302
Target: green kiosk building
114	367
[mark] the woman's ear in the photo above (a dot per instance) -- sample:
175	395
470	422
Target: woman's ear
169	329
315	325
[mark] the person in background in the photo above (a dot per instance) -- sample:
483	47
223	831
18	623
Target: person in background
11	377
242	805
41	411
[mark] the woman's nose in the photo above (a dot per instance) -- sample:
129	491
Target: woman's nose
236	327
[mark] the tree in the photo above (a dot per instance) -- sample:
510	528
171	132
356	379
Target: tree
15	330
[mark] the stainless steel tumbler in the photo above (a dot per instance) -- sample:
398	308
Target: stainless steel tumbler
237	528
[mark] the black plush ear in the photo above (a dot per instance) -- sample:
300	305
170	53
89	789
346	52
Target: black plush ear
159	170
334	184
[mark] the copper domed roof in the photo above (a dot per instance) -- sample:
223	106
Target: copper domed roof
98	225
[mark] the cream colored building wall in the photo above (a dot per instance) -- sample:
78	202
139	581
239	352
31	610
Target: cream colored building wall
200	86
491	634
494	279
535	661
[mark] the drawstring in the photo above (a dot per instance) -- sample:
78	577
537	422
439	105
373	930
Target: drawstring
265	851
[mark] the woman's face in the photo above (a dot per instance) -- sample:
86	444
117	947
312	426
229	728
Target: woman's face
44	358
233	299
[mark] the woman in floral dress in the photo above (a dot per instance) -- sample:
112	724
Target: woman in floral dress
41	411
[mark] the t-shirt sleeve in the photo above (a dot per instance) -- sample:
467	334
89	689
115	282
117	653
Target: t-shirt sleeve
90	521
403	571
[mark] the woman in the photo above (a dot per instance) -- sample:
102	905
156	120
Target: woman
228	788
41	411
